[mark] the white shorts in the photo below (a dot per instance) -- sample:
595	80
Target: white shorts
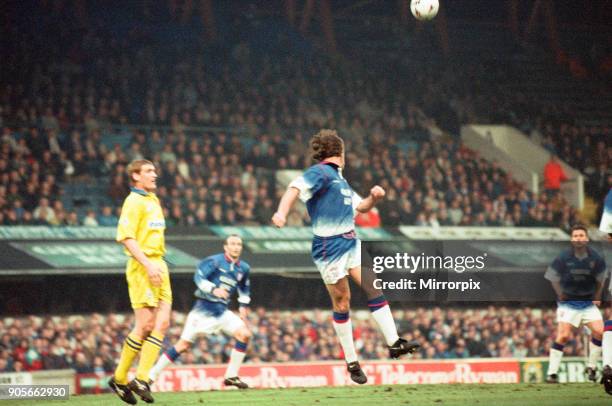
202	323
576	317
605	225
337	268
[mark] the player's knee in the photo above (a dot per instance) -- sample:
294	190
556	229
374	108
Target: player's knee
341	298
162	326
342	305
244	335
182	346
144	329
563	338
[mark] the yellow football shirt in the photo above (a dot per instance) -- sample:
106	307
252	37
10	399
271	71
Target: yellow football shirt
142	219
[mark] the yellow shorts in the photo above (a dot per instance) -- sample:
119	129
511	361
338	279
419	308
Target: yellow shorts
142	293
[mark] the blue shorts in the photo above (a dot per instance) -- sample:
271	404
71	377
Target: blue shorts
335	255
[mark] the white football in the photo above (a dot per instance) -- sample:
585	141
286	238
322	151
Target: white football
424	10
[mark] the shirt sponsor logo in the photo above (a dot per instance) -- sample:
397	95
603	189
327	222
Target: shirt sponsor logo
157	224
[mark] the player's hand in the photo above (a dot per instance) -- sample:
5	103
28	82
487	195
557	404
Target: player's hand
279	220
597	303
154	273
220	293
377	192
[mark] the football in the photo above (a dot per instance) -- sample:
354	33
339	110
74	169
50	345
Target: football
424	10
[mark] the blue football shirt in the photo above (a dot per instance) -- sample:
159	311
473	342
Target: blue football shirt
330	201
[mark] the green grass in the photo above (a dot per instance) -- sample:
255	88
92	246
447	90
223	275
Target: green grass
418	395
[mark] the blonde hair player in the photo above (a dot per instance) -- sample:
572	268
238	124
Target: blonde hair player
141	231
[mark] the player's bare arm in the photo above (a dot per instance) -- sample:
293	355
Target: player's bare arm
377	193
557	287
279	219
153	271
598	293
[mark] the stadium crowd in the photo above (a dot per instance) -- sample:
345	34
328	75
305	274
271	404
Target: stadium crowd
219	131
480	93
220	180
92	343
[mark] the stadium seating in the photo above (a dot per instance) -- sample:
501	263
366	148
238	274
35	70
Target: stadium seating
92	342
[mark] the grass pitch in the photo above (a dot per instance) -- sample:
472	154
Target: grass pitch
419	395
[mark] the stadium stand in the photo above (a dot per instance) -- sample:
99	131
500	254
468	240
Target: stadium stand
91	343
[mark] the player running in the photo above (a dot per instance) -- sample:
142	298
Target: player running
336	251
217	278
141	231
606	227
577	275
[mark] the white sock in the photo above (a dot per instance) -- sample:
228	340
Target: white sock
235	361
344	331
594	354
606	344
162	362
554	360
386	324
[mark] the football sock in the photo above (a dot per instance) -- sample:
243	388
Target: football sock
607	343
594	352
236	358
344	331
131	347
166	359
150	350
556	353
381	312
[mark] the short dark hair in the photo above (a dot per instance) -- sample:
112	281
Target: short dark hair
577	227
325	144
230	236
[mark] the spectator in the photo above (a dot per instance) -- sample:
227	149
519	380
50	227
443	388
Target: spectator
72	219
4	366
107	218
553	176
90	219
43	212
370	219
81	364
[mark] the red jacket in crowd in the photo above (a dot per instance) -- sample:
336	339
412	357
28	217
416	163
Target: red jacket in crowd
553	175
